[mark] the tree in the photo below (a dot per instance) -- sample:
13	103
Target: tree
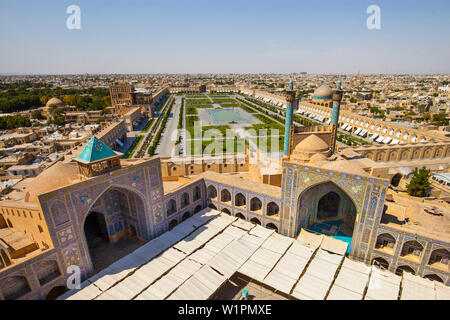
426	116
36	114
440	119
44	99
420	183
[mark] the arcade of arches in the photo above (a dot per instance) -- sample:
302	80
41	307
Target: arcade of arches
326	204
111	227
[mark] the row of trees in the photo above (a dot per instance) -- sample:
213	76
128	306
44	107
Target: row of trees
26	95
12	122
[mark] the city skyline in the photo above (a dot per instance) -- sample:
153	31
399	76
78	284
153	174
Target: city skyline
173	37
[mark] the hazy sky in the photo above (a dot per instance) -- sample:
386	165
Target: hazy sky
245	36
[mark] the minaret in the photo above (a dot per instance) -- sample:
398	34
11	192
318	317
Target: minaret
290	98
337	98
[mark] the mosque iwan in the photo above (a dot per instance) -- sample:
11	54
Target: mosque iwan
321	221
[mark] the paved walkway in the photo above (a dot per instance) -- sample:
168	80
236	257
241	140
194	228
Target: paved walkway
167	142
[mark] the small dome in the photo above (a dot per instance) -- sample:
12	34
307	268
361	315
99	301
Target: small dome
57	176
54	101
312	144
318	157
323	92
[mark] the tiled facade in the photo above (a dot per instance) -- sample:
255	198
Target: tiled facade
151	212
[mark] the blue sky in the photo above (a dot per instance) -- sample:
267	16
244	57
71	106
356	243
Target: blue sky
245	36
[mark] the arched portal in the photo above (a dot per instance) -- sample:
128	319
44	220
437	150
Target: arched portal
381	263
434	277
439	258
56	292
412	249
326	208
197	193
212	206
255	204
212	192
185	216
271	226
114	220
385	242
184	199
225	195
173	224
396	179
3	222
240	216
225	210
399	271
239	200
95	228
171	207
255	221
272	209
14	287
198	209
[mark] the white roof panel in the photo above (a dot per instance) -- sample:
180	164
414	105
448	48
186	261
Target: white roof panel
301	250
261	232
352	280
185	269
164	286
382	285
173	255
356	266
234	231
222	263
254	270
265	257
253	240
442	291
203	255
242	224
280	281
340	293
188	246
192	289
291	265
87	292
278	243
311	288
209	278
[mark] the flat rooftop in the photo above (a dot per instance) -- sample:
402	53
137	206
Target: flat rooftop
198	258
410	216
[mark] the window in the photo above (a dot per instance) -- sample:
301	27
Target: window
40	229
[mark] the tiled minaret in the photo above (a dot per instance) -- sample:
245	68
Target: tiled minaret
290	98
337	98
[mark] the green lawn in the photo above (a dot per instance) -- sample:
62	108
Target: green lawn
217	146
133	147
197	101
224	100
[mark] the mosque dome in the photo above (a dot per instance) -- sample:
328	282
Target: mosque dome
323	92
54	101
57	176
318	157
312	144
